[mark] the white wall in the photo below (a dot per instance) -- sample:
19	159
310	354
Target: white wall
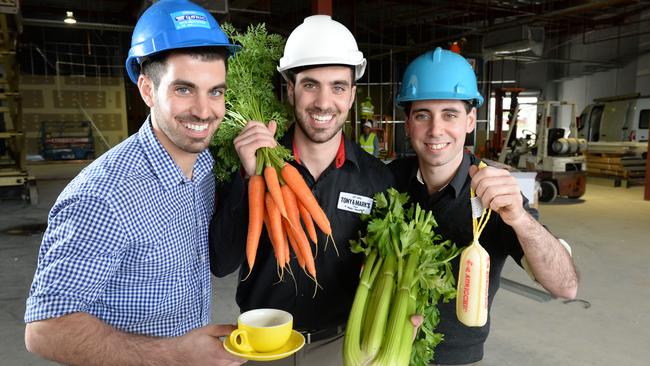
633	77
581	82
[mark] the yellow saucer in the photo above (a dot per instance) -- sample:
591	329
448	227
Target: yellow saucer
293	345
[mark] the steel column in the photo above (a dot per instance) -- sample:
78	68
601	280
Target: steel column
323	7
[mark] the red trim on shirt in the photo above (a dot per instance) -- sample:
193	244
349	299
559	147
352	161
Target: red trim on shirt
295	151
340	154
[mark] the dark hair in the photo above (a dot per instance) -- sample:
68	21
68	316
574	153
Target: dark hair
154	66
291	73
469	104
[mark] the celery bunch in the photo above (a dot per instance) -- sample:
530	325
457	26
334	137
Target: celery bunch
407	270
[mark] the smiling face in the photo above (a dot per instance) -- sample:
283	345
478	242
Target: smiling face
437	130
188	103
321	98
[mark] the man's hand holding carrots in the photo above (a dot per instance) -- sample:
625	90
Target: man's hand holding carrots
251	138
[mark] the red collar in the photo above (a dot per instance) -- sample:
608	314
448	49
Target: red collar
340	154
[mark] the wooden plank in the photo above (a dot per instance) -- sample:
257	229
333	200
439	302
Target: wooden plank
606	172
636	161
613	167
605	154
635	168
603	159
613	173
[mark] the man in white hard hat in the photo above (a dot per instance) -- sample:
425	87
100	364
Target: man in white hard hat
368	140
321	64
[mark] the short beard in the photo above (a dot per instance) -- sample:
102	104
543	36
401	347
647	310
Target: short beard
314	135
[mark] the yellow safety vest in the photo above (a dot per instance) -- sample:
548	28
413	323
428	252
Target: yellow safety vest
368	144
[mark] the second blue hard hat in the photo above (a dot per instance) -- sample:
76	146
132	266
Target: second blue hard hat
439	74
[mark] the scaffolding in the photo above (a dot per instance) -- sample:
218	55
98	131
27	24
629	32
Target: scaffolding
13	174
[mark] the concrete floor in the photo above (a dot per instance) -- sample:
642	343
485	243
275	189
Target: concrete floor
608	230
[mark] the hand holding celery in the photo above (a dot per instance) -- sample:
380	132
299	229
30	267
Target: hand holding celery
406	271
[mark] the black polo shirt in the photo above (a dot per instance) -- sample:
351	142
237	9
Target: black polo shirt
451	209
353	172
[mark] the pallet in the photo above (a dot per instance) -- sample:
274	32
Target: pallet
627	181
619	166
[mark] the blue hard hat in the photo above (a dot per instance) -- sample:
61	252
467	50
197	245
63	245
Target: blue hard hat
172	24
439	74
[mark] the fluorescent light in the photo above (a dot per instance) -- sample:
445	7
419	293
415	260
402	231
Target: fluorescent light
69	18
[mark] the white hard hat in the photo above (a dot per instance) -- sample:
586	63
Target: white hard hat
368	124
319	40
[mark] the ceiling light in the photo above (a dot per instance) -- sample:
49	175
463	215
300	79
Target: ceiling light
69	18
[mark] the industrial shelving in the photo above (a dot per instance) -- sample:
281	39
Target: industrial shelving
13	173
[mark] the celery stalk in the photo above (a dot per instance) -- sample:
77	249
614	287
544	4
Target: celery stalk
405	348
398	314
352	355
378	310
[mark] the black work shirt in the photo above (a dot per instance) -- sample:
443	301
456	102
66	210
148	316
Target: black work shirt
353	172
451	209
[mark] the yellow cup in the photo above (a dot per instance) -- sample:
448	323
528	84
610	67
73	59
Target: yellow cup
262	330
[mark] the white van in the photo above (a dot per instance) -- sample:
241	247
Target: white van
622	118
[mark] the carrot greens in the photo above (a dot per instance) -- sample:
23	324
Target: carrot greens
250	97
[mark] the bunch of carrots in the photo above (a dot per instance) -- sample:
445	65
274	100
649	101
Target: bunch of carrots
279	198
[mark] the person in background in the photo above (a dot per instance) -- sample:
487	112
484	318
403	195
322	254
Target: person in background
123	272
439	95
321	64
368	140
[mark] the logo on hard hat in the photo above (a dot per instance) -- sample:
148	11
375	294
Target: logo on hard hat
190	19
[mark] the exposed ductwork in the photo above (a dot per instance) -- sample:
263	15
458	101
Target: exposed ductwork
524	40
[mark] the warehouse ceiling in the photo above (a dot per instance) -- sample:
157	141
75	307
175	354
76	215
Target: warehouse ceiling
386	30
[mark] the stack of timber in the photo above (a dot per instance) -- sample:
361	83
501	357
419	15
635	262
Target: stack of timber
615	165
624	160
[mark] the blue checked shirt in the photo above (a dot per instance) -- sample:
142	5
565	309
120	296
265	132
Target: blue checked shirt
127	242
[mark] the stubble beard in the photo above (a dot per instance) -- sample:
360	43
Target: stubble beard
173	129
317	135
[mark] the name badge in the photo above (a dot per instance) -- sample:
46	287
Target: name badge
354	203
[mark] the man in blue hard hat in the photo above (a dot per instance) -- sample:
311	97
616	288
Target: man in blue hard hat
123	275
440	97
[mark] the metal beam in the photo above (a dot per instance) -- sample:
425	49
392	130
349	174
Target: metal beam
78	25
322	7
524	290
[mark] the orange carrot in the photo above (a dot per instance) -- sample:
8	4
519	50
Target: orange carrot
305	249
297	184
296	229
272	238
287	253
309	223
276	231
293	213
256	190
273	185
294	245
